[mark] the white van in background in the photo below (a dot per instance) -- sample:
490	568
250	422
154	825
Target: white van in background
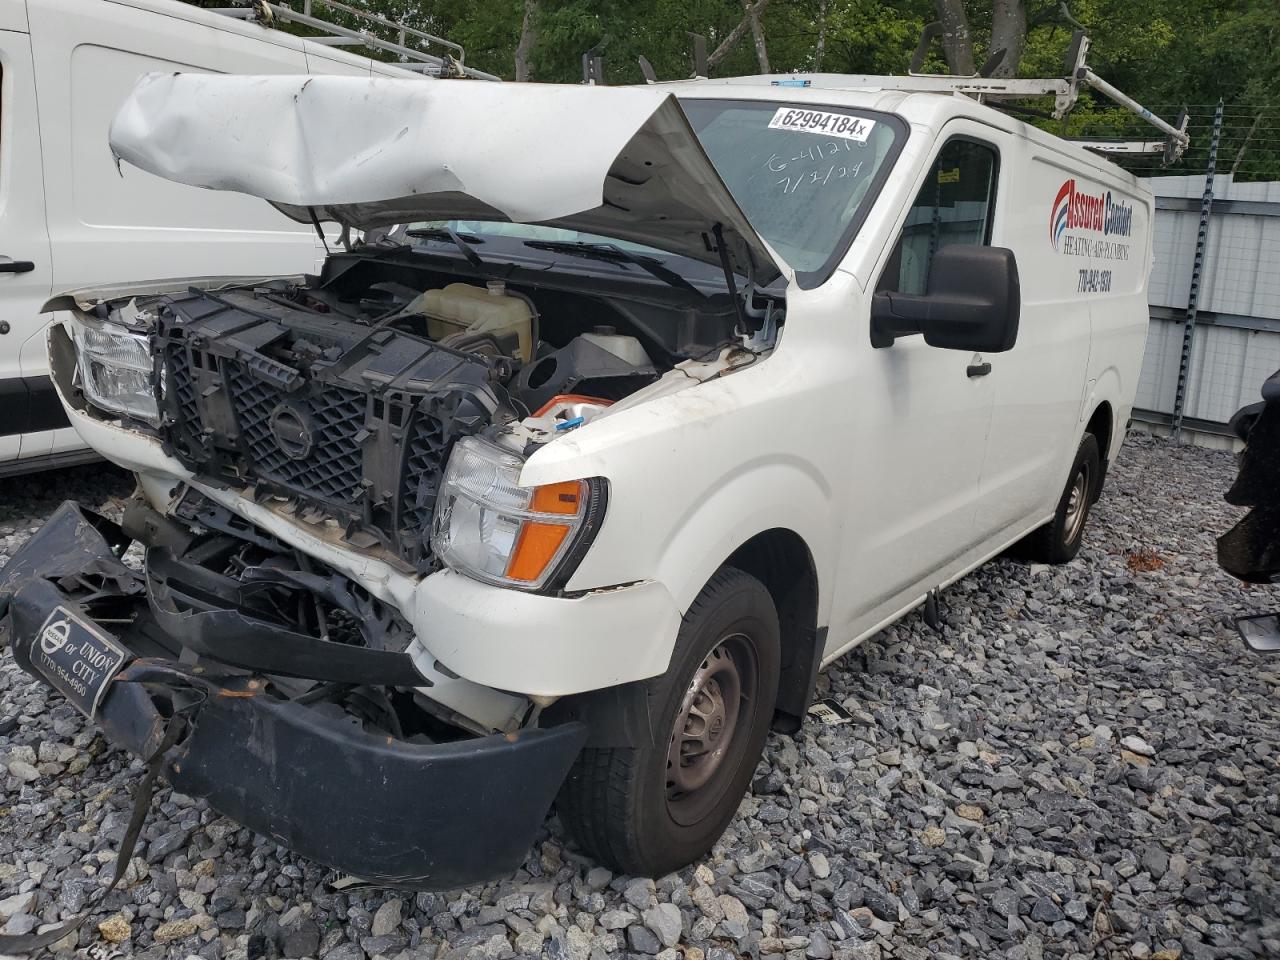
69	218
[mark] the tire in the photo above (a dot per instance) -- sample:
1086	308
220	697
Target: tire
1058	541
634	810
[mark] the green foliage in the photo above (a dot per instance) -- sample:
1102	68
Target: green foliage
1165	53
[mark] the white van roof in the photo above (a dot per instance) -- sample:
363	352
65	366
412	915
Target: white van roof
930	108
247	21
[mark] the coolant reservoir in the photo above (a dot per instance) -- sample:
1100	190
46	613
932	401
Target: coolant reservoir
621	346
463	308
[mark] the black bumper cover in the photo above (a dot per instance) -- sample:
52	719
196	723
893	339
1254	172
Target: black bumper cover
423	816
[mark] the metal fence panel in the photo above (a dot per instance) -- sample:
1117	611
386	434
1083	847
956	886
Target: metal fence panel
1237	340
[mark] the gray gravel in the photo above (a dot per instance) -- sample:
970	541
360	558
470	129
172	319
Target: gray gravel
1085	762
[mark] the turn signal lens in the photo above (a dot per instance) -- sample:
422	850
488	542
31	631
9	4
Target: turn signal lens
539	542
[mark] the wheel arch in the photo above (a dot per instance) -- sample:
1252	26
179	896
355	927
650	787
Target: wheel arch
620	716
1102	424
781	560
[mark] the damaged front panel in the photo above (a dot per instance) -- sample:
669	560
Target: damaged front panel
353	420
287	757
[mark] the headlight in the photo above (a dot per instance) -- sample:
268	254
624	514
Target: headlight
488	526
115	369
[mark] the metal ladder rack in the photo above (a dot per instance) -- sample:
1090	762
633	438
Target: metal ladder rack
1065	91
405	46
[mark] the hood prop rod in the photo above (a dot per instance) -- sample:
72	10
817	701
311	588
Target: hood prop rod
730	282
315	222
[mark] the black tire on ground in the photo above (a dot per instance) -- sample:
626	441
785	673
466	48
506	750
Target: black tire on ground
632	808
1059	540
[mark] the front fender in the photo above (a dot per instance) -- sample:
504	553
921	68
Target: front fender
760	495
695	474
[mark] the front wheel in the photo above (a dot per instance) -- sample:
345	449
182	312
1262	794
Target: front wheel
651	810
1059	540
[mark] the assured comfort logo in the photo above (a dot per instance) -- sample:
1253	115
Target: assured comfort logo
1076	210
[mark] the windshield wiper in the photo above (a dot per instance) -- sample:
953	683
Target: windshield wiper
462	241
611	253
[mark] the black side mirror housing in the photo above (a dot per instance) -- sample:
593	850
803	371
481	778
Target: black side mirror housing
972	303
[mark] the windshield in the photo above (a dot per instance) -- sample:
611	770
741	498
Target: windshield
805	176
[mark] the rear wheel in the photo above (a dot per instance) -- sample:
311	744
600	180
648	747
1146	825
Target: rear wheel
1059	540
650	810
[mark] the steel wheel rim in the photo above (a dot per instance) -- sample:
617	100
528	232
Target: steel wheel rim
712	713
1077	503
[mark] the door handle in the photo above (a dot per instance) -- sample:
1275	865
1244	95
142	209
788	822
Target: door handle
16	266
977	370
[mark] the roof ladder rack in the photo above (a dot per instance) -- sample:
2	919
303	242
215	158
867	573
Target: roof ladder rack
1065	90
405	46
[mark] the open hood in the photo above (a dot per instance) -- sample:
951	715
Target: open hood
622	162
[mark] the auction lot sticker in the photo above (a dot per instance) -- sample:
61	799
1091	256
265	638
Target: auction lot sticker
822	122
78	658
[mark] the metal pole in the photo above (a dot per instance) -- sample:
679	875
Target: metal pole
1133	106
1197	267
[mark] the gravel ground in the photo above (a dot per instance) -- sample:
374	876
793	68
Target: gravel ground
1085	762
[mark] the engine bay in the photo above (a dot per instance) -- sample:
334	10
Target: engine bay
343	395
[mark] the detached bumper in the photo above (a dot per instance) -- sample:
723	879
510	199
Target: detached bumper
420	815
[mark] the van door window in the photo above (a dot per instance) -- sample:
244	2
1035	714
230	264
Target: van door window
955	205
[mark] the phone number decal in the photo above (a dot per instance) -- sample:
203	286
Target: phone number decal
1094	281
820	121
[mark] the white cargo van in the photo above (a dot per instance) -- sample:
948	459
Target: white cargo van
635	407
69	217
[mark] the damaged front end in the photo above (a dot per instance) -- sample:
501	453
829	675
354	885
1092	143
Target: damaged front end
340	569
310	453
303	710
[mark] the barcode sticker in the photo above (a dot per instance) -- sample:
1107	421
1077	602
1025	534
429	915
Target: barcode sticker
822	122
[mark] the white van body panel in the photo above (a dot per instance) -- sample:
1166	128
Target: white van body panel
23	235
67	66
913	473
897	468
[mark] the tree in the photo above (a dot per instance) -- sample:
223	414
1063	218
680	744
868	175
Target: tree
757	34
957	42
752	16
1008	34
528	38
1163	52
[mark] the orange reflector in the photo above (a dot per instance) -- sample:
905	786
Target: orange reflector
535	548
559	497
538	542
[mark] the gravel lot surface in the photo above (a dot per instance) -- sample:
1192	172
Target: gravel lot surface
1083	763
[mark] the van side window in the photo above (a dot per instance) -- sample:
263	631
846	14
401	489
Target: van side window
955	205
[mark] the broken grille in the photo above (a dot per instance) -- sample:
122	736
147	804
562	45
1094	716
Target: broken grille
332	466
425	449
182	387
349	423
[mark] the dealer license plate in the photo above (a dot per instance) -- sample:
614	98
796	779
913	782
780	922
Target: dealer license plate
78	658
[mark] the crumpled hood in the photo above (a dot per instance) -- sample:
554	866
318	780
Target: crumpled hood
366	152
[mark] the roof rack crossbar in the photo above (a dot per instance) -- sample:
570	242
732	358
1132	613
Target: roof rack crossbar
404	31
450	63
1064	90
1125	147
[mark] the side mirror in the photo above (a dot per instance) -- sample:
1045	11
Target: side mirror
972	303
